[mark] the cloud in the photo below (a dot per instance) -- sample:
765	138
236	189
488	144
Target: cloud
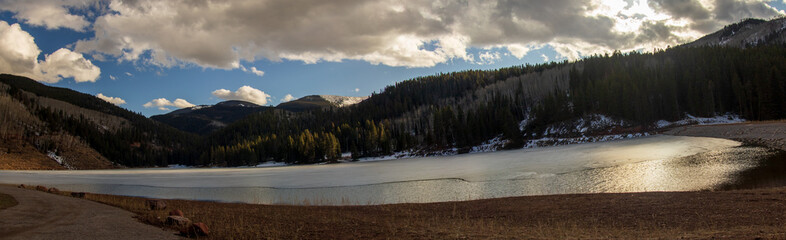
287	98
65	63
112	100
244	93
163	103
129	74
357	89
488	57
411	33
112	77
19	55
49	14
517	50
253	70
545	58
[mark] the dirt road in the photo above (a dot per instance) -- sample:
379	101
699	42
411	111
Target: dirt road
42	215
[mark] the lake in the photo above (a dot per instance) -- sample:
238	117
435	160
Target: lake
655	163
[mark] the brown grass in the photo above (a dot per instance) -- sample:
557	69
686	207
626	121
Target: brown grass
17	154
722	214
7	201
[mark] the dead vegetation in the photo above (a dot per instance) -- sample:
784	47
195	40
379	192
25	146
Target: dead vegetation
736	214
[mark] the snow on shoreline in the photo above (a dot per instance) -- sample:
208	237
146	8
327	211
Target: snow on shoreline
585	125
690	119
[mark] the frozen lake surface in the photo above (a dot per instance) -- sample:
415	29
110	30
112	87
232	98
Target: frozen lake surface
656	163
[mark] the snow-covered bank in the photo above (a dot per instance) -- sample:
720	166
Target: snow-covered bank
690	120
589	129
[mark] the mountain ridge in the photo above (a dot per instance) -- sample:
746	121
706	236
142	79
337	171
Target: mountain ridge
746	33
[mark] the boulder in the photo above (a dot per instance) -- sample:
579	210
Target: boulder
22	186
156	204
196	229
53	190
40	188
78	194
176	212
178	221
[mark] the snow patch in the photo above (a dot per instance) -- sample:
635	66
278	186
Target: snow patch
490	145
550	141
342	101
690	119
271	164
60	160
178	166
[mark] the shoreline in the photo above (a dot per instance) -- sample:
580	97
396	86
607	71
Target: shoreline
771	134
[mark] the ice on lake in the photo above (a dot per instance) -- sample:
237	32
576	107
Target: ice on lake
656	163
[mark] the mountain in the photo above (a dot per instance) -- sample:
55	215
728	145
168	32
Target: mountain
42	124
204	119
749	32
599	95
319	101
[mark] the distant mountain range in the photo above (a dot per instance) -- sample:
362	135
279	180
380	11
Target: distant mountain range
204	119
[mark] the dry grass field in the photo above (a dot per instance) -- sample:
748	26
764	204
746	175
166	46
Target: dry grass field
736	214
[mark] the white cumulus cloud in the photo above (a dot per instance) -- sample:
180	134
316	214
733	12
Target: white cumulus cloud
488	57
112	100
19	55
65	63
163	104
52	14
287	98
253	70
545	58
244	93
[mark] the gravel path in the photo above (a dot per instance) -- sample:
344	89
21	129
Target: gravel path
42	215
770	134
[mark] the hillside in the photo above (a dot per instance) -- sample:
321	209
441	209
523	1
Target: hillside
79	131
747	33
522	105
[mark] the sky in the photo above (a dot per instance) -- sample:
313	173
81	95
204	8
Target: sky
153	57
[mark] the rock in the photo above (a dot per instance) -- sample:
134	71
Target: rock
53	190
40	188
22	186
196	229
156	204
176	212
178	221
78	194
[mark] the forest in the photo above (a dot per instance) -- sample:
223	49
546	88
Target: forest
452	110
